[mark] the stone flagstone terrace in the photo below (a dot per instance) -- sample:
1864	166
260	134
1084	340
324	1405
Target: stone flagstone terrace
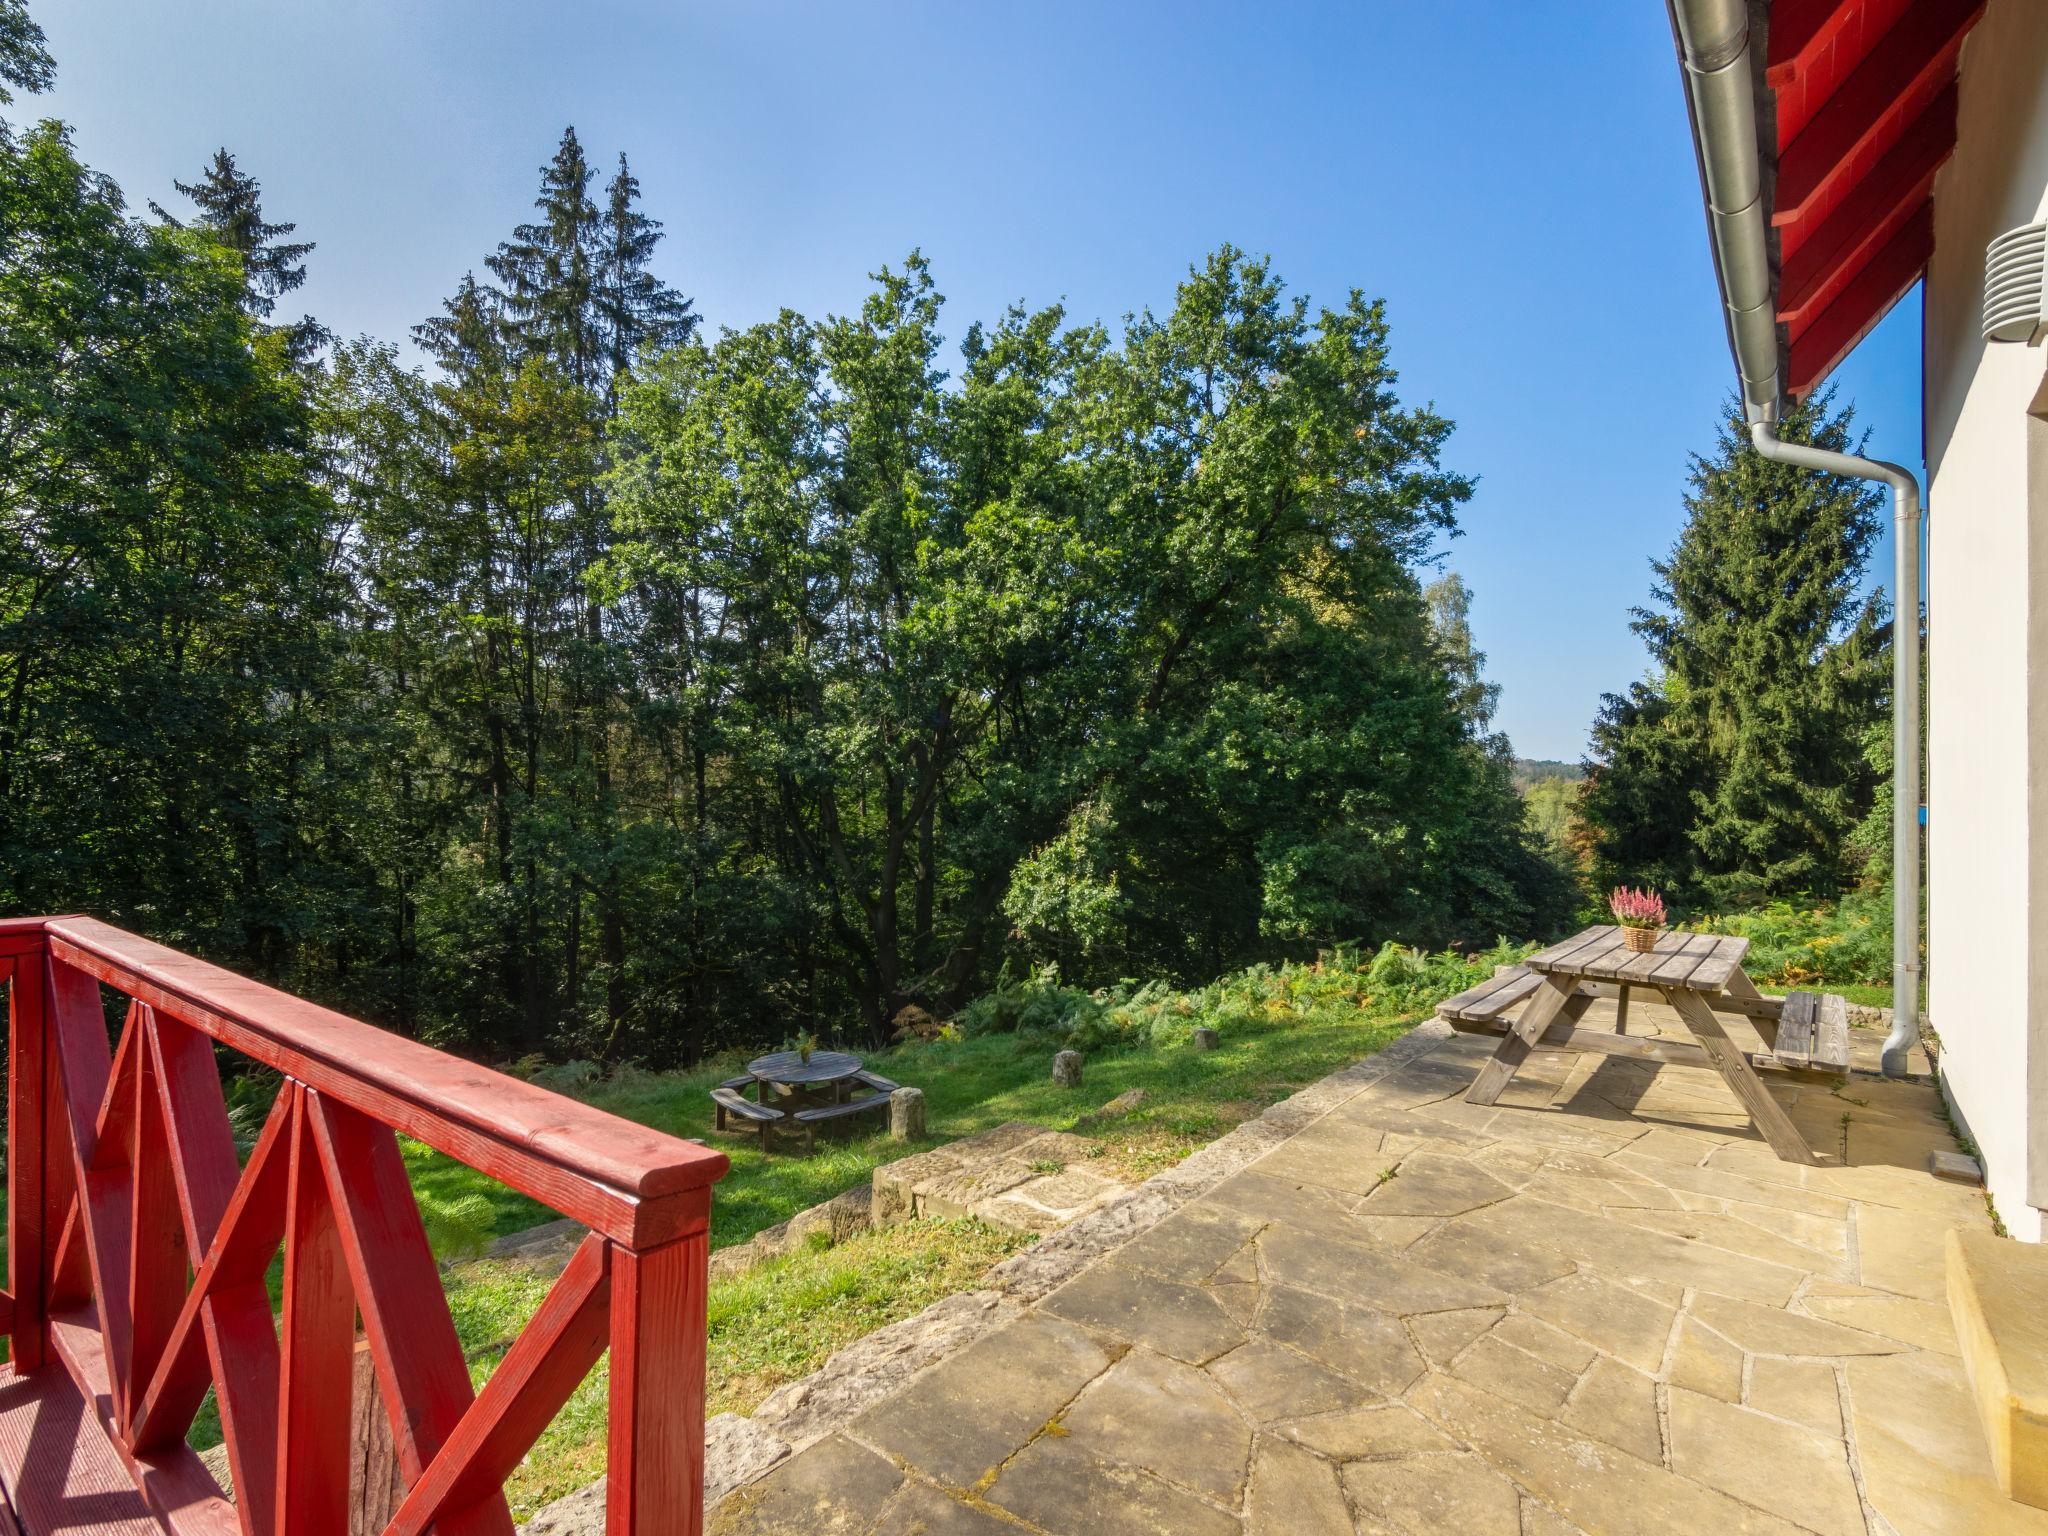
1600	1306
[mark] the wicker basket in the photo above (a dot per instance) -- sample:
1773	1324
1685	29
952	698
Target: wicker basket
1641	940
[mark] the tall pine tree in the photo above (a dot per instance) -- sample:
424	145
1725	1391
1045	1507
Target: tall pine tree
1738	772
230	204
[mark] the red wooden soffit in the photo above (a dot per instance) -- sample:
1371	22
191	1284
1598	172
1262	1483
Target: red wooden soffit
1879	205
1868	298
1871	109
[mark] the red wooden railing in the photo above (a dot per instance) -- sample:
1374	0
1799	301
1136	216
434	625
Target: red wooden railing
138	1245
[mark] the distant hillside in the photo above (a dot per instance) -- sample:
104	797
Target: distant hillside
1534	770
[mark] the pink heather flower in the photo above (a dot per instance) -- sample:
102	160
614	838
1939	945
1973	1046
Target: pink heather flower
1636	909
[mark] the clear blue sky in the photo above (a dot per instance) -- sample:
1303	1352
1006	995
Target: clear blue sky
1514	178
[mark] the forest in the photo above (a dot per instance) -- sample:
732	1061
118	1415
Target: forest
581	681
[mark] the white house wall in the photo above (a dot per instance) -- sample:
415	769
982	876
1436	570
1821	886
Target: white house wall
1987	715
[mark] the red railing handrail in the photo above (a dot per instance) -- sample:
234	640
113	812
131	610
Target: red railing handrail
627	1180
138	1235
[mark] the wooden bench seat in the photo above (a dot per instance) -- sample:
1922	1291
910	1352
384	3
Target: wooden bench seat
876	1081
1485	1003
810	1119
1813	1032
730	1103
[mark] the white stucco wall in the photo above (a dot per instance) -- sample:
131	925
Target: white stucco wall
1987	705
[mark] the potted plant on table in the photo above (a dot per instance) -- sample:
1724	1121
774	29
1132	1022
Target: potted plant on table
806	1043
1641	915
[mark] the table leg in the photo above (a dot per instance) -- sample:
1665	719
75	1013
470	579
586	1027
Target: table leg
1621	1012
1764	1111
1538	1014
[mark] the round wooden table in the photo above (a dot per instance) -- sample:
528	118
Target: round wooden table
825	1075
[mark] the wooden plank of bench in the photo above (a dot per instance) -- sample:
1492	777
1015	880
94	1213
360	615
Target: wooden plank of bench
847	1107
729	1102
1831	1033
876	1081
1794	1045
1491	997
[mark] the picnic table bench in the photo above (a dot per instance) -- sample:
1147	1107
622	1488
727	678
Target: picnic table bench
730	1100
1699	975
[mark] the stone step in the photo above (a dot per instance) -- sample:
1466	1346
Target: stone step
1998	1297
1018	1176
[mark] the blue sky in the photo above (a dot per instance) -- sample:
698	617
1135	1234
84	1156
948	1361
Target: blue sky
1513	178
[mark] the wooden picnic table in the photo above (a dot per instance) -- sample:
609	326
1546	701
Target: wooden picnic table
1700	975
826	1073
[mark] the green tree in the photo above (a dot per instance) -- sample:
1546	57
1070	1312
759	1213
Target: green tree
1738	771
25	61
230	204
164	576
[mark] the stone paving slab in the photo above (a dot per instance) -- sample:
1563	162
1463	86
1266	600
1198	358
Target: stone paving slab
1599	1307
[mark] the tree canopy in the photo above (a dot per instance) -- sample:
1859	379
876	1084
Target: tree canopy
1741	769
604	688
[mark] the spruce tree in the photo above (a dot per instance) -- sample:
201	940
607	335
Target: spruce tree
230	204
547	270
1738	772
636	309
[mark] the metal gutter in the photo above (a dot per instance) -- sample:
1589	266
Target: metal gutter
1721	93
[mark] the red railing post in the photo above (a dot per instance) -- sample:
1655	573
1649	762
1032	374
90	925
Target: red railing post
27	1082
655	1463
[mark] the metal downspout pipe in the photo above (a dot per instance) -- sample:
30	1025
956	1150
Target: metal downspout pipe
1713	43
1905	720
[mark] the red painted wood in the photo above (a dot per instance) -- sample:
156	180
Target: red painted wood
654	1479
173	1483
552	1354
1880	285
231	1277
1878	207
90	1094
528	1131
316	1338
1814	46
62	1474
26	1141
1865	116
419	1364
67	1279
139	1175
196	1120
156	1246
1800	30
113	1123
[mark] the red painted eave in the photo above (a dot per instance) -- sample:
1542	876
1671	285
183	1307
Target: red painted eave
1860	101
